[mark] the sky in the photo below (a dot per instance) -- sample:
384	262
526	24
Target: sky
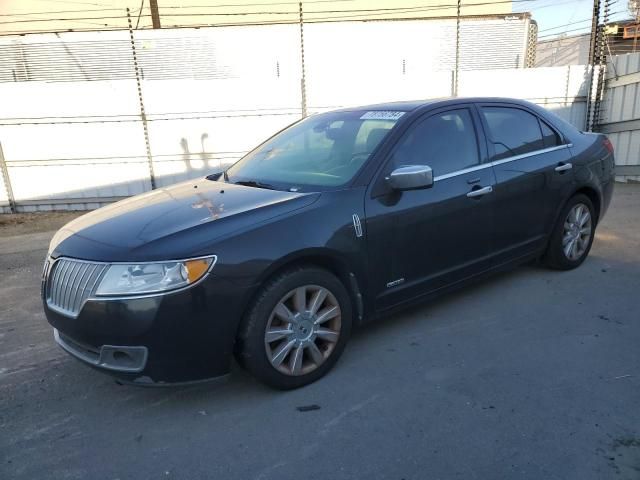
555	17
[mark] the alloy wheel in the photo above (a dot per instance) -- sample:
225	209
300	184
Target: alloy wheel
577	232
303	330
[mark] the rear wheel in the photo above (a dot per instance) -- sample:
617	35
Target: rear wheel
296	329
573	234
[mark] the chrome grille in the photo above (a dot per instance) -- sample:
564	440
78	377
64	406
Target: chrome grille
70	283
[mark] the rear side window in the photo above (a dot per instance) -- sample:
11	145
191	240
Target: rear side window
549	136
446	142
513	131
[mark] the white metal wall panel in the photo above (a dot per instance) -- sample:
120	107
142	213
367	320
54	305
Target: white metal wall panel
492	44
74	56
350	63
81	140
4	200
561	89
97	56
620	112
209	96
53	151
570	50
199	124
357	63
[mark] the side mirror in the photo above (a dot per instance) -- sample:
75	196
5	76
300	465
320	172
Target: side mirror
411	177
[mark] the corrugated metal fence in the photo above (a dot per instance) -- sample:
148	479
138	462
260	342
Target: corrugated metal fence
88	115
620	113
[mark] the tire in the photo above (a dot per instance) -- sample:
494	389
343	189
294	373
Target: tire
286	358
569	234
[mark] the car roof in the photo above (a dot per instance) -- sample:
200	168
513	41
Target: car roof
409	106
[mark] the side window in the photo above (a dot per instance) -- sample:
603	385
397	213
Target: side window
445	141
512	131
549	136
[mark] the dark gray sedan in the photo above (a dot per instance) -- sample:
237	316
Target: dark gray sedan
338	219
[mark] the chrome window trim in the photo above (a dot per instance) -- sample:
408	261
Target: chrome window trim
482	166
529	154
501	161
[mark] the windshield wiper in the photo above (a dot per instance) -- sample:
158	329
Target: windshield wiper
253	183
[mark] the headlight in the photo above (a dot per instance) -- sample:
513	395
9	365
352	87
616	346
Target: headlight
128	279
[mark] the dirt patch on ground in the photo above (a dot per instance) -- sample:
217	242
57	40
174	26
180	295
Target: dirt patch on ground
20	223
625	458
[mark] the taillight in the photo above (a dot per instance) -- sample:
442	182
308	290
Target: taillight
608	145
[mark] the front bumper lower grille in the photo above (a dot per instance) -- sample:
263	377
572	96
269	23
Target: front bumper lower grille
69	283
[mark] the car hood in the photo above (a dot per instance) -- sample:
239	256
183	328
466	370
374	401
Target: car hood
180	221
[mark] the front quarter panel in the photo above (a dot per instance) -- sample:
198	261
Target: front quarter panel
323	230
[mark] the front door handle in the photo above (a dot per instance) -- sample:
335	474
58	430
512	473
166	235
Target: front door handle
563	167
479	192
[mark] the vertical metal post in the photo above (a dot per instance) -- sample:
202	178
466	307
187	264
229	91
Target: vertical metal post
303	80
595	19
143	115
7	182
634	8
566	86
456	73
602	54
637	26
525	52
155	14
602	63
593	45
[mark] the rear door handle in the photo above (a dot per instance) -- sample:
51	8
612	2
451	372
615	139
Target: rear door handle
479	192
564	167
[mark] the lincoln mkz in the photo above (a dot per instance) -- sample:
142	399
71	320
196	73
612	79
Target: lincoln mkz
340	218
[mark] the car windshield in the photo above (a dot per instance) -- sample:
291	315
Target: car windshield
321	151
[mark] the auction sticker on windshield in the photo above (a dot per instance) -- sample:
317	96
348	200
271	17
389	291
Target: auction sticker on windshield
381	115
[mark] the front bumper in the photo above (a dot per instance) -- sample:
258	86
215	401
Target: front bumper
179	337
117	358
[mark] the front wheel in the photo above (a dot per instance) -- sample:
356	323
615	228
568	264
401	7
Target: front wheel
296	328
573	234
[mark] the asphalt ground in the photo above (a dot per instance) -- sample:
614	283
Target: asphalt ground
532	374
